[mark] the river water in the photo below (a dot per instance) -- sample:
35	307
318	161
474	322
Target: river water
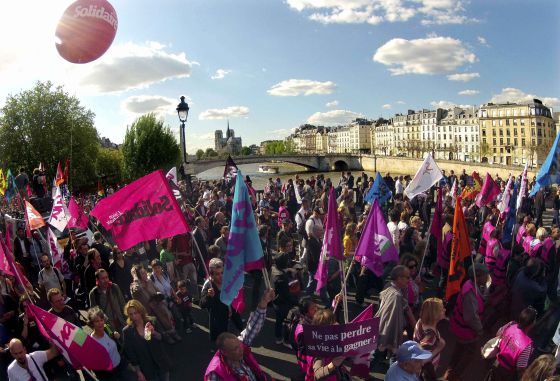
285	171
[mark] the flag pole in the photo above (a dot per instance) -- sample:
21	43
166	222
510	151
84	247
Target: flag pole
344	295
200	255
266	278
91	374
427	246
474	275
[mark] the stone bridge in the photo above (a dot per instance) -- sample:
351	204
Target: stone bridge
332	162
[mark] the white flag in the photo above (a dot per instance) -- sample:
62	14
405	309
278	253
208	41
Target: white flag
59	215
428	174
504	202
296	191
453	191
57	253
523	188
172	175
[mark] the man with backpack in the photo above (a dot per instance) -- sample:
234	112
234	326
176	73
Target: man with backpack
301	217
50	277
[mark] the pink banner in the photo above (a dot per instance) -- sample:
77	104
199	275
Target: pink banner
490	190
78	219
143	210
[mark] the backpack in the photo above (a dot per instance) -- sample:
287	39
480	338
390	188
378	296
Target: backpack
289	327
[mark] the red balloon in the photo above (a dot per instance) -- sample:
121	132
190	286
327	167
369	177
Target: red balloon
86	30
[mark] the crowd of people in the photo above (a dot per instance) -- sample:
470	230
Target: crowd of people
138	303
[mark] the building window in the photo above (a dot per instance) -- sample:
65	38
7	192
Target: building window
493	132
523	142
522	131
501	122
507	141
515	141
494	149
484	140
507	122
515	122
493	123
501	132
483	132
501	141
494	141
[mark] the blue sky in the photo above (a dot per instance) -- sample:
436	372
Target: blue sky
271	65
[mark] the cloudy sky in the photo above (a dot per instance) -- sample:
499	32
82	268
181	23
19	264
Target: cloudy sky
271	65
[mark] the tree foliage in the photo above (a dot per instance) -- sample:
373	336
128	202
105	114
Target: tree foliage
109	165
279	147
46	124
199	154
148	145
246	151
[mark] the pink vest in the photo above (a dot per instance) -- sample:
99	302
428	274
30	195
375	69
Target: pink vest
500	269
520	234
527	243
486	231
457	324
490	258
545	250
513	342
282	213
225	373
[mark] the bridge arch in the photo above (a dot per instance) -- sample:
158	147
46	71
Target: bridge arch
340	165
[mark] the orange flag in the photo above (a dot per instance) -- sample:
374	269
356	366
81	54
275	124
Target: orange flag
34	218
59	175
460	249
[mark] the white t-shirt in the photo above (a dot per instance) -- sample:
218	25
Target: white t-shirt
17	373
111	347
394	231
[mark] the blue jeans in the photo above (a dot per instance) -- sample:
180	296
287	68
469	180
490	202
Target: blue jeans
312	285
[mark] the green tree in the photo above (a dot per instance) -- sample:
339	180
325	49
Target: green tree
46	124
109	165
246	151
210	153
199	154
148	145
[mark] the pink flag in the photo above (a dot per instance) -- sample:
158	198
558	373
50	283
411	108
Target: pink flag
78	219
376	246
5	267
15	269
504	202
143	210
80	349
360	364
9	236
490	190
332	244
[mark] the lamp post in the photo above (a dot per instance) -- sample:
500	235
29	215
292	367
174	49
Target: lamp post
183	113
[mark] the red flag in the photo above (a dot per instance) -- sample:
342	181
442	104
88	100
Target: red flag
460	249
34	218
59	175
78	219
471	192
14	267
66	170
80	349
143	210
490	190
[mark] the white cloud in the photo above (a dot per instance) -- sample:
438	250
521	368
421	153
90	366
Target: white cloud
332	104
386	106
133	66
224	113
401	102
513	95
220	74
482	41
447	104
436	55
142	104
333	118
295	87
468	92
283	132
378	11
463	77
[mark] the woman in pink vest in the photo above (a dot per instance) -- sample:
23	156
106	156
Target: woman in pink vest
530	232
515	348
307	308
234	360
522	230
493	247
283	213
466	322
487	229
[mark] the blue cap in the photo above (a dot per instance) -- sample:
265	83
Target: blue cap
410	350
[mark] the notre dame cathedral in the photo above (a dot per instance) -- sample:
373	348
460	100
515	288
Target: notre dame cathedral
229	143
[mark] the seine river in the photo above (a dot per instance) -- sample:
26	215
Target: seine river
285	172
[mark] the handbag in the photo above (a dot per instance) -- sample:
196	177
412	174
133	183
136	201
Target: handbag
491	348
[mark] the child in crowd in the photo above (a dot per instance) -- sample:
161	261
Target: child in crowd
184	306
427	335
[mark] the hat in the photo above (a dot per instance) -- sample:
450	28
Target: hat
410	350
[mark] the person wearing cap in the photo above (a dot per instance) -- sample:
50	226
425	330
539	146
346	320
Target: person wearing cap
466	321
410	359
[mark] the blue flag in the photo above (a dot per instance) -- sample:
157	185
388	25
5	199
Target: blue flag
511	216
11	188
244	250
379	191
549	173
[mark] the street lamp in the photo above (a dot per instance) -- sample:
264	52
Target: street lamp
183	113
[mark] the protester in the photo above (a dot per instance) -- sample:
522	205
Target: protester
410	359
426	334
109	298
233	358
26	366
142	344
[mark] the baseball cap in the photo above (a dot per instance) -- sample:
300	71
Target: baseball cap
410	350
